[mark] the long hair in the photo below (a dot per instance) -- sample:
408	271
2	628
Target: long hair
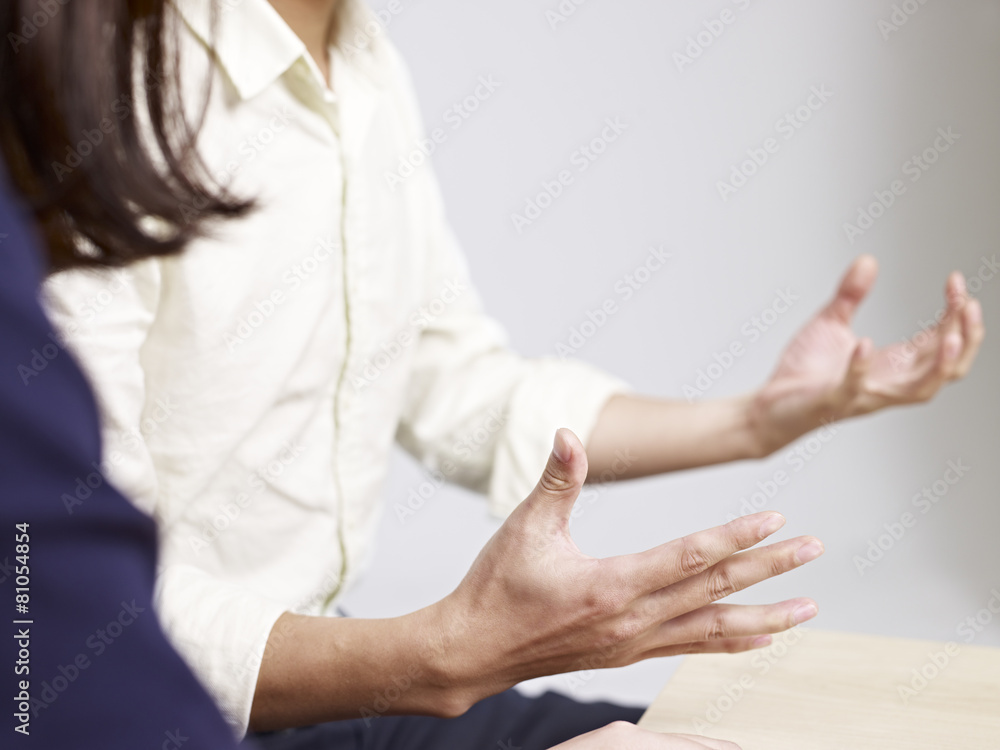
93	131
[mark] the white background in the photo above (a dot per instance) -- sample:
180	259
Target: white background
657	184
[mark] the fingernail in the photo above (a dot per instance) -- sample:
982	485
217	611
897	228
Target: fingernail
771	524
561	447
805	612
761	641
809	552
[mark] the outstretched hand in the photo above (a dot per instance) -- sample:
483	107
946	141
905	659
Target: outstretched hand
827	373
533	604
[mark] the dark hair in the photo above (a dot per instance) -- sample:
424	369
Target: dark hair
93	132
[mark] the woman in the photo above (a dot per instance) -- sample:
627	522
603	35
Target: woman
88	665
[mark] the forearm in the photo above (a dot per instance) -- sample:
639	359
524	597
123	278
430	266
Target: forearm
318	669
638	436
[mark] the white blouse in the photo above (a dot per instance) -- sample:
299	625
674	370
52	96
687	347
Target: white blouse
251	389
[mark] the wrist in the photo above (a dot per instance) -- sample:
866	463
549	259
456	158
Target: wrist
762	437
450	675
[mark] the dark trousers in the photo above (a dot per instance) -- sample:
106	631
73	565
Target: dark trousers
508	721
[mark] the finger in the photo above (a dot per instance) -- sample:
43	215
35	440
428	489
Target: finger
973	333
562	478
650	571
735	574
703	742
717	646
923	388
957	298
729	622
853	383
854	287
955	293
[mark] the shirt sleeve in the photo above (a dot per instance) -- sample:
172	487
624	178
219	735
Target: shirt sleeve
475	411
219	628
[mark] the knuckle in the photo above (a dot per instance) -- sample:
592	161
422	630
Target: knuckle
625	630
720	583
778	564
716	628
555	483
735	646
606	603
692	559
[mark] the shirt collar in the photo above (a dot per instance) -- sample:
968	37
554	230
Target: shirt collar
253	44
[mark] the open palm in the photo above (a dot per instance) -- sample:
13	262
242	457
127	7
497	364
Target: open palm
828	373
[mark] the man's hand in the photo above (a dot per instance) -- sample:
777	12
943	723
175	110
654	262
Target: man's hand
827	373
533	604
621	734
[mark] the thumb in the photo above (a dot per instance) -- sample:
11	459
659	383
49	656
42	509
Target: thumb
564	474
854	287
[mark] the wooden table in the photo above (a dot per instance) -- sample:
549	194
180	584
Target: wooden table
815	690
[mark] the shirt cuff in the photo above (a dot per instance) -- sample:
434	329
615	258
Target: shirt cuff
557	393
221	631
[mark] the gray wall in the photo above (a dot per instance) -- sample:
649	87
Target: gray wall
657	185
